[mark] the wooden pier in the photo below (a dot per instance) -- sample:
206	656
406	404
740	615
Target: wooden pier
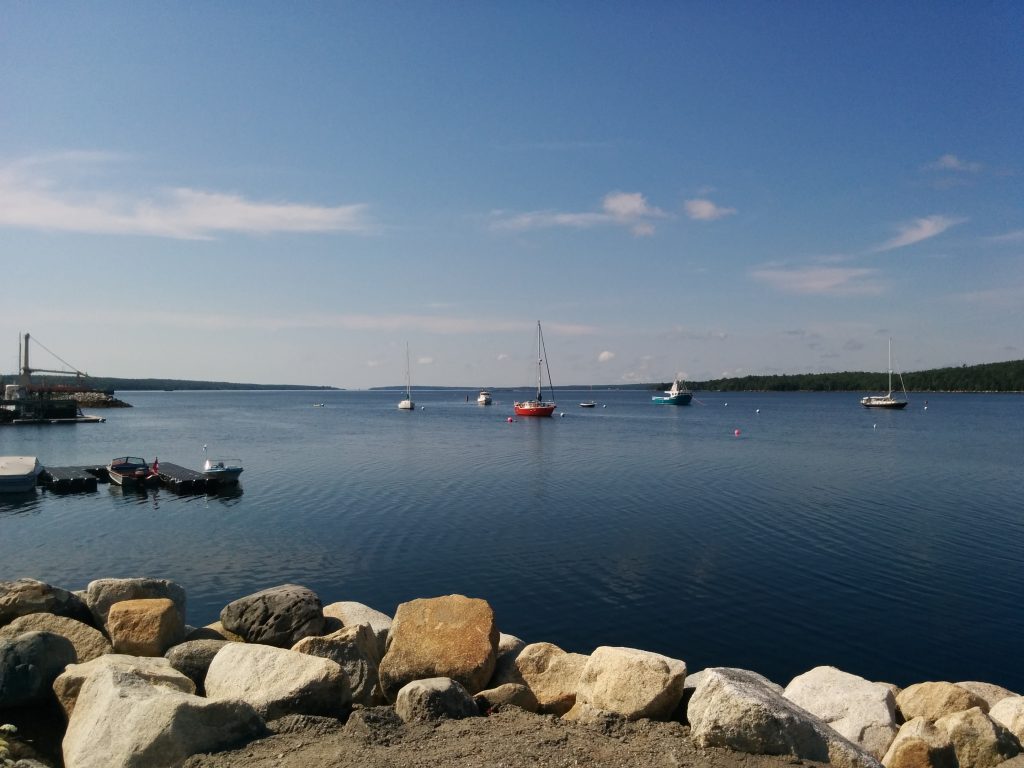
85	479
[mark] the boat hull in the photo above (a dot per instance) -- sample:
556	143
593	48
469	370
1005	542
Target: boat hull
19	474
680	399
406	405
532	408
892	405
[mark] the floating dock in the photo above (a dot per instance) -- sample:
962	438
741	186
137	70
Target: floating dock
85	479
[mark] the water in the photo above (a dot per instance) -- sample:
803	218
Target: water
888	544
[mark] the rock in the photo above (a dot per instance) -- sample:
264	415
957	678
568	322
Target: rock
452	636
934	700
27	596
213	631
992	694
509	647
29	663
157	671
1009	713
435	698
375	726
978	740
506	695
350	614
146	627
632	683
733	708
89	642
355	649
279	616
862	711
193	658
919	744
103	593
278	682
551	673
122	720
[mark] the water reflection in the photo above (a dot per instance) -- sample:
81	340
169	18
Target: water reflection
21	503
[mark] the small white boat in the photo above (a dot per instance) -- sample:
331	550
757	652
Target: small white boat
887	400
19	474
407	404
484	398
222	470
588	404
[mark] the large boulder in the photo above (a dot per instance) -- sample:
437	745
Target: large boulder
146	627
509	647
350	614
103	593
733	708
156	671
25	596
919	744
89	642
1009	712
355	649
933	700
124	721
452	636
979	741
991	693
551	673
278	682
193	658
862	711
279	616
29	663
436	698
631	683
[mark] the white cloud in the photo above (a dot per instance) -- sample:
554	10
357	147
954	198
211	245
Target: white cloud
34	194
605	357
503	356
424	361
705	210
918	230
1017	236
625	209
825	281
953	163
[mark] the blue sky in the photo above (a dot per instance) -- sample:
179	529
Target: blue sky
280	193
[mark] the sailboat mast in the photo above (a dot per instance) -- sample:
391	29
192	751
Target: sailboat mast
540	359
890	366
408	379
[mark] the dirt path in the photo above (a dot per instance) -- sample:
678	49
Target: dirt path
375	738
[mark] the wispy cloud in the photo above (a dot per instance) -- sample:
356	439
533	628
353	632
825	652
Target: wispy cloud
1016	236
823	281
702	209
953	163
918	230
424	361
58	193
624	209
606	357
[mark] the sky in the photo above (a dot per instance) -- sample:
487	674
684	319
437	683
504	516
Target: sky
280	193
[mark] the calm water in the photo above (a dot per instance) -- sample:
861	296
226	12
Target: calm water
887	544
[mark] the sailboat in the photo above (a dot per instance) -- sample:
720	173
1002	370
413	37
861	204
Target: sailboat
539	406
407	404
678	394
887	400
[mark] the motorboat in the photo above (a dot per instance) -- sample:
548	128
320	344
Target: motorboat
538	406
224	471
484	398
887	400
133	471
677	394
588	404
19	474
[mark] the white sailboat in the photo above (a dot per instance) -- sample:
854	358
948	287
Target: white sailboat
887	400
407	404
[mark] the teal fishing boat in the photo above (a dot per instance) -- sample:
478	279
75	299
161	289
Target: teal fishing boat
677	395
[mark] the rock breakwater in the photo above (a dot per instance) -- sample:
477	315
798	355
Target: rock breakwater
122	679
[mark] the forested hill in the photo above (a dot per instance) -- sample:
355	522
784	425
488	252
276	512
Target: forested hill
106	384
989	377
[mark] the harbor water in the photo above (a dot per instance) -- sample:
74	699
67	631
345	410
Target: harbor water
769	531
